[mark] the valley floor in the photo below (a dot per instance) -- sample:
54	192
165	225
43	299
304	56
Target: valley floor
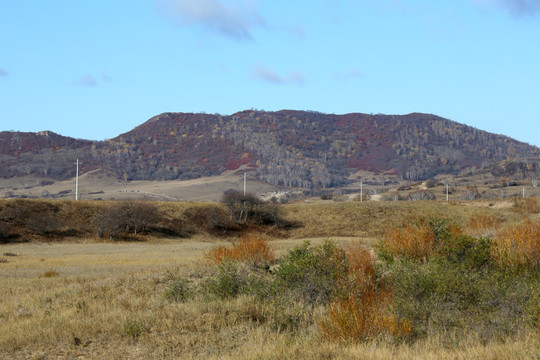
106	300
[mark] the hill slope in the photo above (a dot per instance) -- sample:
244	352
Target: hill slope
291	148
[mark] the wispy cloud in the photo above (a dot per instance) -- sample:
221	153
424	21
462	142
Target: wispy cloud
271	76
86	80
298	31
105	76
3	72
518	8
349	74
232	18
522	7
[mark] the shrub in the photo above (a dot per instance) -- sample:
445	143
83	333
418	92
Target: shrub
177	288
413	241
421	195
417	240
458	287
230	280
249	209
312	273
208	218
126	218
471	193
133	328
391	196
252	249
527	205
445	297
431	183
32	216
466	251
359	318
519	245
361	309
483	225
5	232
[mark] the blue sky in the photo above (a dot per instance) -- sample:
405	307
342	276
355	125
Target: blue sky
95	69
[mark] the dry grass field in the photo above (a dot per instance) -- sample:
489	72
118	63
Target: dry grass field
102	185
161	298
99	184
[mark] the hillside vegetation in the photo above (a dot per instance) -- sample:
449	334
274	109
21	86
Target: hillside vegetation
288	148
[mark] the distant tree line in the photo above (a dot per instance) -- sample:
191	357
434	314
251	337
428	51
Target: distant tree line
49	220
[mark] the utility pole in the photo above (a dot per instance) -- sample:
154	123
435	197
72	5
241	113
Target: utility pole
524	192
361	192
446	192
77	182
245	183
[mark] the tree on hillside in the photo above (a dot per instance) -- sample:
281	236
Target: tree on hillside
248	208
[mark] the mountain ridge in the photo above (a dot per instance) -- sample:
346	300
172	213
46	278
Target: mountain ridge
288	147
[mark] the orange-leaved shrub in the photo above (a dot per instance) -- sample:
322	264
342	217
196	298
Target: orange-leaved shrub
362	310
251	248
519	245
413	241
363	316
483	225
418	240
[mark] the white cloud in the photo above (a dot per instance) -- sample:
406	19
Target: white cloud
232	18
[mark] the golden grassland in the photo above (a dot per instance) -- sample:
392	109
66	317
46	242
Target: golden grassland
93	299
372	219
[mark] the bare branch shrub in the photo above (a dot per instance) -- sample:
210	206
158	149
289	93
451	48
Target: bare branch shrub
431	183
5	231
210	218
249	209
471	193
391	196
36	217
126	218
421	195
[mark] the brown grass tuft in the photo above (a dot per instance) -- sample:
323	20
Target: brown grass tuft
50	274
529	205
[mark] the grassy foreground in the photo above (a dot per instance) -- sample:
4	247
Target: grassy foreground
160	298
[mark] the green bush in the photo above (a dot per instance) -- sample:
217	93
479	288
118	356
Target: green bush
312	274
466	251
178	288
133	328
460	289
